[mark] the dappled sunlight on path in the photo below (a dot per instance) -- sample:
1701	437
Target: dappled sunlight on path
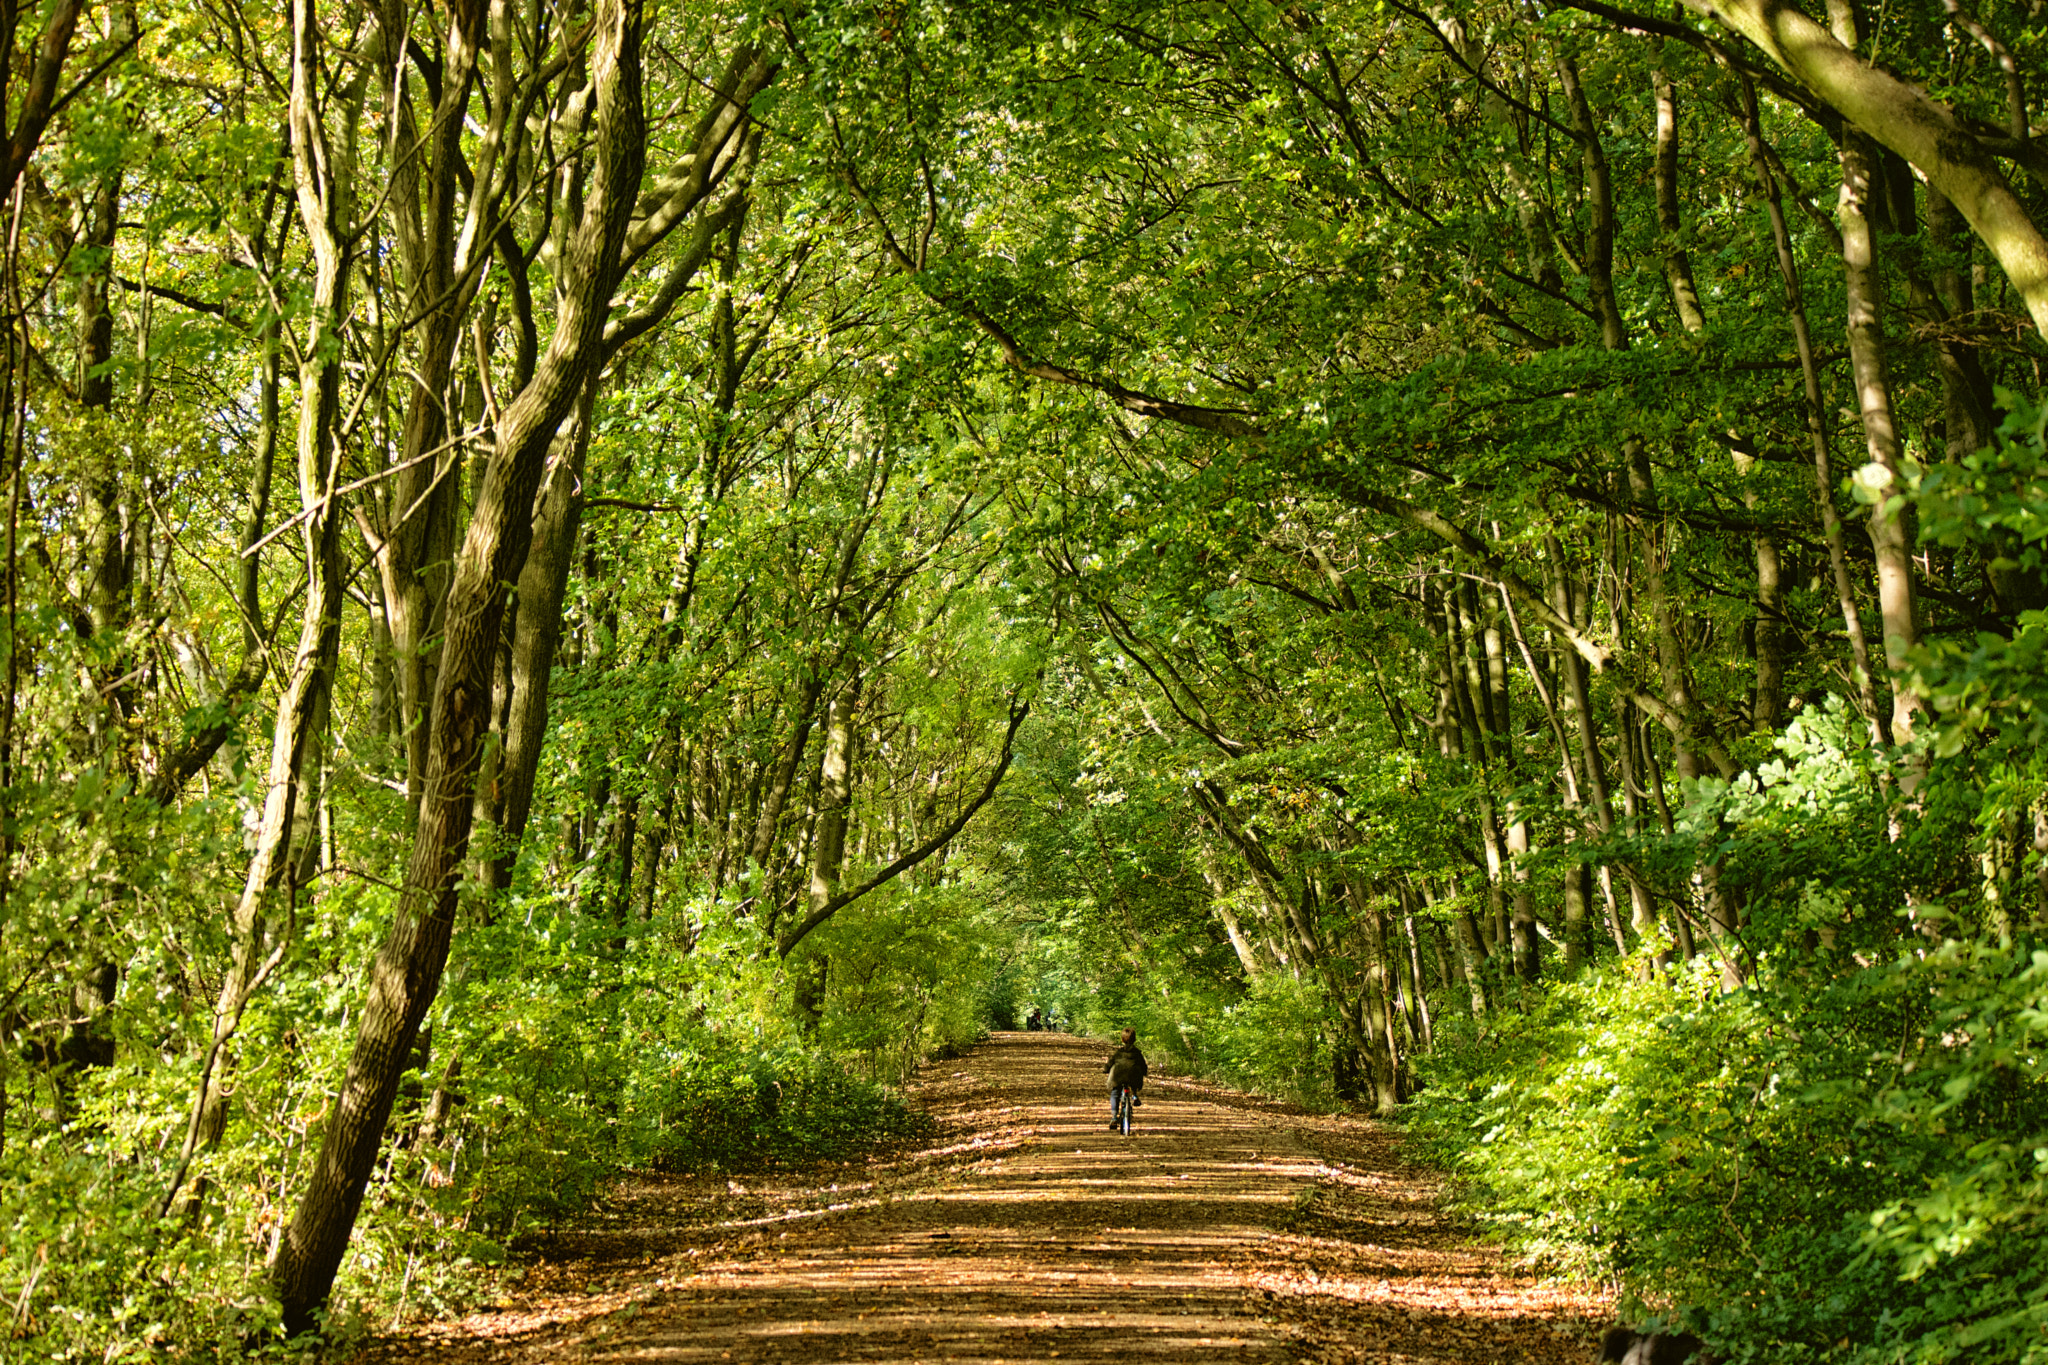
1225	1228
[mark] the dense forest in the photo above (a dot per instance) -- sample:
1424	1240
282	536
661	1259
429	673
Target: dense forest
586	582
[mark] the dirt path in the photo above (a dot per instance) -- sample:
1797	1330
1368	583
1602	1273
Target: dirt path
1225	1228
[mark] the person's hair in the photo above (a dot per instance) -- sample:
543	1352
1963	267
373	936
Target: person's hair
1130	1035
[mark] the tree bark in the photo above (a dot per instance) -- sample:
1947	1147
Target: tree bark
1578	706
1816	417
415	538
320	172
407	970
1685	291
1219	904
1890	535
1688	723
1966	390
828	841
1907	121
505	804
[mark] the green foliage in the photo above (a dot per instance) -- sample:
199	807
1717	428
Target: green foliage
1992	687
1274	1041
1844	1159
585	1052
1968	1235
910	450
581	1052
74	1209
1856	1164
910	973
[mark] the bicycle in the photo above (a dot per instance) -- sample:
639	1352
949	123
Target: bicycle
1126	1101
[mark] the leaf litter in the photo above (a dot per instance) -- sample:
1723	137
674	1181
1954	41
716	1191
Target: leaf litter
1225	1228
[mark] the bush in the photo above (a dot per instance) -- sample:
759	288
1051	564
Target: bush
768	1108
1273	1041
910	971
76	1226
1850	1169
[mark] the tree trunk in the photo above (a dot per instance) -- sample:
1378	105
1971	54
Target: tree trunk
803	715
284	828
1890	536
1577	705
415	539
1219	904
407	970
1642	910
1528	944
1689	724
1906	120
1685	292
536	633
1816	417
1965	389
1767	708
828	843
1414	956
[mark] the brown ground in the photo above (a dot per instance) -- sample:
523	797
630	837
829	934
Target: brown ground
1225	1228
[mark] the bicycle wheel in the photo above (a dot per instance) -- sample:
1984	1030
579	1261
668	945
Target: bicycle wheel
1123	1107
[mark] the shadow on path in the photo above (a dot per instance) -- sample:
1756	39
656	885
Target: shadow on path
1225	1228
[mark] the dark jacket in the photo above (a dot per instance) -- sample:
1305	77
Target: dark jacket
1126	1066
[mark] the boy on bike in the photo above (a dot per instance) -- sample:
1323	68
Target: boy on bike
1126	1067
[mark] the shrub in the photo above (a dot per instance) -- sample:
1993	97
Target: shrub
1854	1166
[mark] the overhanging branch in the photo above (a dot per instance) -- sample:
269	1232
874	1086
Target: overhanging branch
841	899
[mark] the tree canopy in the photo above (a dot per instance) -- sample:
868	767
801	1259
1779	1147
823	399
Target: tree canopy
587	582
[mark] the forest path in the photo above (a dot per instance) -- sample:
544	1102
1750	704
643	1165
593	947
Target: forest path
1225	1228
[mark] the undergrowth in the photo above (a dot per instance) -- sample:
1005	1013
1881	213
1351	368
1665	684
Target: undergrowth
561	1056
1850	1167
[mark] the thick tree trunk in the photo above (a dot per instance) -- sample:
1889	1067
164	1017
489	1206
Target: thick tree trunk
407	970
1909	122
1890	535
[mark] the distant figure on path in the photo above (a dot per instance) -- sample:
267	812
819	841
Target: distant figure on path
1126	1067
1034	1021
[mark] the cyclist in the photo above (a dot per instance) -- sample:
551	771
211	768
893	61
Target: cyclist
1126	1067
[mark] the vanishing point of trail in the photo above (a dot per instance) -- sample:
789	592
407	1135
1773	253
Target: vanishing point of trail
1225	1228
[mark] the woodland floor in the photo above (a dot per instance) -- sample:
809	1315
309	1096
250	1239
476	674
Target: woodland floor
1225	1228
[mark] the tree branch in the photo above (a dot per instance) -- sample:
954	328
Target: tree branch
840	900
